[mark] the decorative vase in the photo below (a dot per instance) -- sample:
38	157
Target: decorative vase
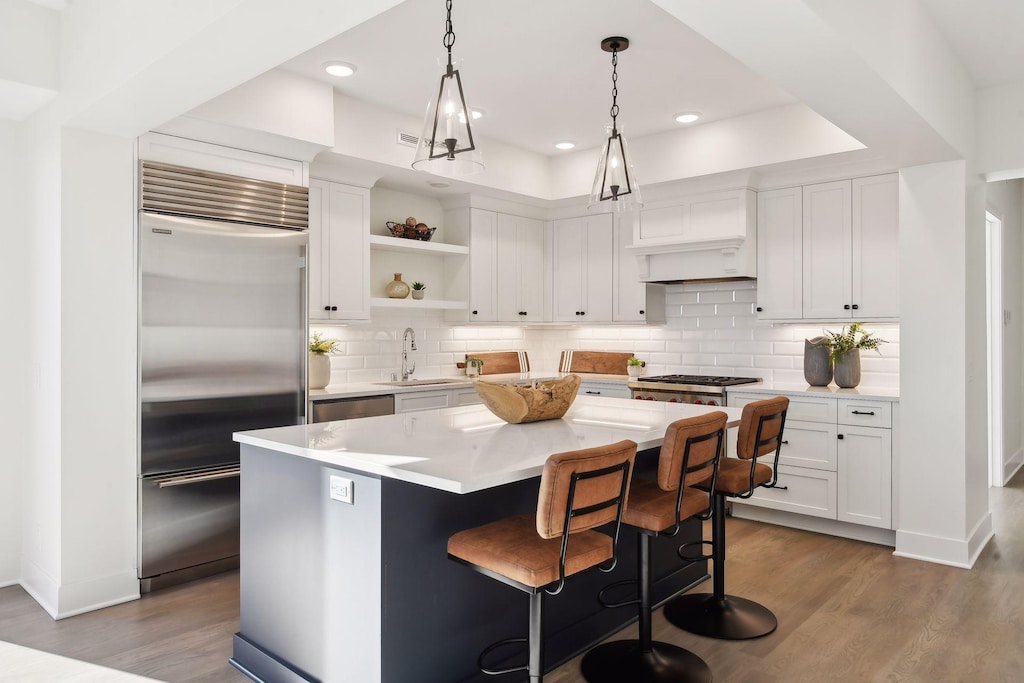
817	366
397	289
848	369
319	370
634	370
418	293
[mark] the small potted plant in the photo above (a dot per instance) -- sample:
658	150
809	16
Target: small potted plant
634	366
319	363
418	290
474	366
844	352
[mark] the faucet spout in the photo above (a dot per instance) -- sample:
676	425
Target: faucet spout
408	344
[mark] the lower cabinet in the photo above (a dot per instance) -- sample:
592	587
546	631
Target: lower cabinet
435	398
835	462
607	389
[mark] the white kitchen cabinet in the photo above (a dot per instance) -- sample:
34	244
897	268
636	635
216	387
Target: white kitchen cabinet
835	462
780	254
472	278
465	396
829	251
582	269
338	258
608	389
633	301
520	267
422	400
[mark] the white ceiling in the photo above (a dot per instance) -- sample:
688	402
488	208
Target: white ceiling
537	69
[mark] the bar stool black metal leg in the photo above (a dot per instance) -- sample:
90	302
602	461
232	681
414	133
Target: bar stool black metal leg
717	615
643	660
535	668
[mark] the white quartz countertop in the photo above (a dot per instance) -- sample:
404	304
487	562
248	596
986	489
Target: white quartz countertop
468	448
353	389
831	391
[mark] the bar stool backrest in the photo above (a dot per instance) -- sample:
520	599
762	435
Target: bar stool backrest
689	451
761	426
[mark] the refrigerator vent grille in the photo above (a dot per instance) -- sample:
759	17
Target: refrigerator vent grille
182	191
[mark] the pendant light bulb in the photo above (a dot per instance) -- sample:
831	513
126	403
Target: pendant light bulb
446	146
615	187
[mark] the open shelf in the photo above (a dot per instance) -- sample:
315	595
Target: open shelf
382	302
384	243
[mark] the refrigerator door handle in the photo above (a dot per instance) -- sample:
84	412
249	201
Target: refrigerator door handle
197	478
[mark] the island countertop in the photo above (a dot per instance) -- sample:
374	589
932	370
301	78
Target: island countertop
468	448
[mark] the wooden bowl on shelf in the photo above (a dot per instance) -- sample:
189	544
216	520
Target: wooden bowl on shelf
519	404
420	231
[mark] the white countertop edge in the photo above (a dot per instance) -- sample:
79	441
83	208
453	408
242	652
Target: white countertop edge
830	391
355	389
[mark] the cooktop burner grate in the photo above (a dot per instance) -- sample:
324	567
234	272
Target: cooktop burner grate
698	380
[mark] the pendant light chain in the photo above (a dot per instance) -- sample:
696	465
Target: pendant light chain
449	34
615	90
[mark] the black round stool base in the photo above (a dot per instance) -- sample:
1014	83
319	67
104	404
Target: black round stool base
729	618
622	661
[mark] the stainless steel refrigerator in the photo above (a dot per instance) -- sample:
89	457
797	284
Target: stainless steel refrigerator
222	348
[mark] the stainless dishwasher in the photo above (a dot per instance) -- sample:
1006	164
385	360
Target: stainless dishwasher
351	408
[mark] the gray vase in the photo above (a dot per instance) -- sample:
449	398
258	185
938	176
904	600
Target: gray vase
848	369
817	367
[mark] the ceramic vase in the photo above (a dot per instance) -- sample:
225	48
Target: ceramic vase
817	366
319	370
397	289
848	369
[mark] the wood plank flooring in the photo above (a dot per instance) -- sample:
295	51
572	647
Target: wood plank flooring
848	611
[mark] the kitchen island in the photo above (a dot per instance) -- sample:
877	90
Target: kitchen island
344	569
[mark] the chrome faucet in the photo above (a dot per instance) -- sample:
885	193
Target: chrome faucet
408	344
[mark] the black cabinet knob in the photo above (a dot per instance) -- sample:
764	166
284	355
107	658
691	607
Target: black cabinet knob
855	307
840	436
474	312
327	308
759	309
583	312
334	308
846	307
641	312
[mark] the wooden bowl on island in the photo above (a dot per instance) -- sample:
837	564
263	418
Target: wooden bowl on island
540	401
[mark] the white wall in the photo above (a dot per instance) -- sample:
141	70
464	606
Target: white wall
14	350
1003	199
1000	144
711	329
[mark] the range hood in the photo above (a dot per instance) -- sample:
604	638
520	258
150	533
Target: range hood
709	237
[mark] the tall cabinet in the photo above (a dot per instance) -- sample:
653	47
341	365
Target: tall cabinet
582	269
339	252
520	269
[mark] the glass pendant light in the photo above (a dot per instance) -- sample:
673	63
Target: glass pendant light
446	145
615	186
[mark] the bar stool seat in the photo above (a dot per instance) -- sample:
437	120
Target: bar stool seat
579	491
715	614
689	457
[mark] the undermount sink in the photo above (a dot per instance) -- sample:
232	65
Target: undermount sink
420	382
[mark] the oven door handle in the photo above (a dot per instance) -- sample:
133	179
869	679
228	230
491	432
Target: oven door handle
186	479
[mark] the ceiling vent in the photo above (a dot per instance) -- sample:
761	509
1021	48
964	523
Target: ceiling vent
407	139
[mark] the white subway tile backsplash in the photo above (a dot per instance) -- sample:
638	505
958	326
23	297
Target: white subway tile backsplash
711	328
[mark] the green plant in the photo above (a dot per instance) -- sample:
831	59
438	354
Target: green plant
634	361
847	340
319	345
418	286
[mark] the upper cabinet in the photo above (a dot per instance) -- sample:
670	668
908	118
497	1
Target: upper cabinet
634	301
520	269
339	253
582	269
829	251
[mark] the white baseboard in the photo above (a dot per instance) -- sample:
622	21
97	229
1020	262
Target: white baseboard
819	525
6	583
948	551
1012	464
62	601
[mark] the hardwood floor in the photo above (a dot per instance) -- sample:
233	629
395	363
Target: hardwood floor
848	611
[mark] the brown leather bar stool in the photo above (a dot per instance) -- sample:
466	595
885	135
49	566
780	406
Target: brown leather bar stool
579	490
689	455
717	615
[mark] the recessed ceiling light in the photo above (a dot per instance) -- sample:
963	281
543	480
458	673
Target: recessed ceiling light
687	117
439	185
339	69
565	144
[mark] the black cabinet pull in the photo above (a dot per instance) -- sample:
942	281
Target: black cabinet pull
641	313
839	436
577	312
759	309
846	307
583	312
595	393
865	412
334	308
786	442
522	312
776	486
855	307
327	308
474	312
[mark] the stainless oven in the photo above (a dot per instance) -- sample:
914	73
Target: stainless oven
699	389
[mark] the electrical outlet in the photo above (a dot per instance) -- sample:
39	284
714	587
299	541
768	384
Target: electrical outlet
341	489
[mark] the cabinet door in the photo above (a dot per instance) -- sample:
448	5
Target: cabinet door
598	267
630	295
338	257
421	400
865	476
483	245
876	246
827	258
779	254
567	270
800	490
520	271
